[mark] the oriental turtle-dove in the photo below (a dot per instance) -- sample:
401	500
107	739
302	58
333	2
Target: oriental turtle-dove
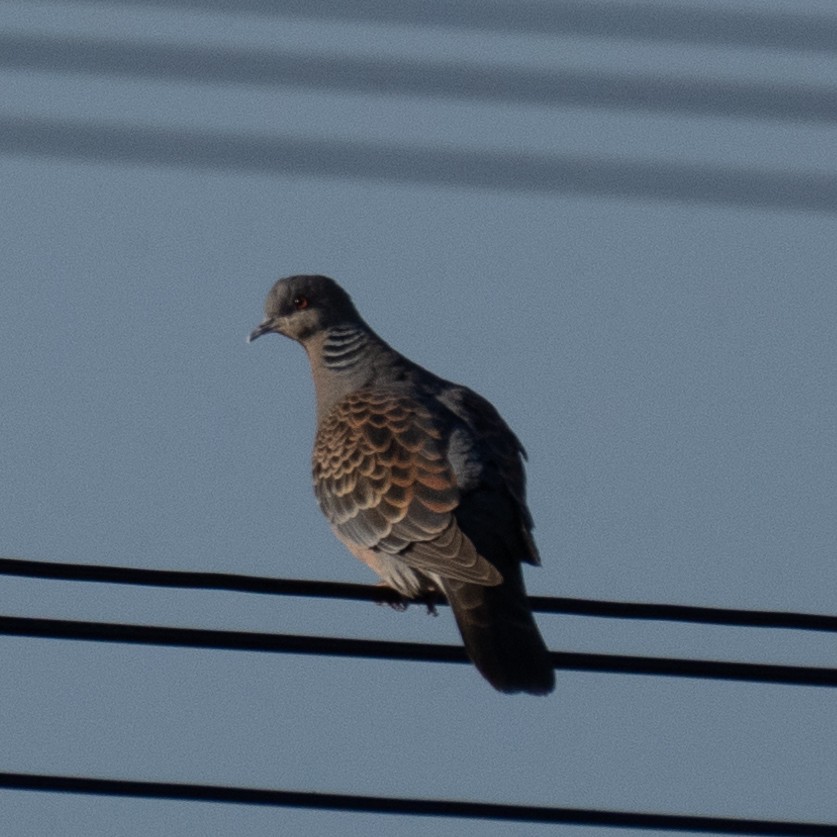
420	478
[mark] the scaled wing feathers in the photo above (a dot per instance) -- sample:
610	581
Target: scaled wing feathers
382	479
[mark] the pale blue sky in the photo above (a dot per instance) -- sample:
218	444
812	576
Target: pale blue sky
669	366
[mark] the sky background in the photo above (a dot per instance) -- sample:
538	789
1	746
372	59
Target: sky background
668	362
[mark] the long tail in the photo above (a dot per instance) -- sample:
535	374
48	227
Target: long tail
501	636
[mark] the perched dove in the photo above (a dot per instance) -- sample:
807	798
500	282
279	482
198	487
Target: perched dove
420	478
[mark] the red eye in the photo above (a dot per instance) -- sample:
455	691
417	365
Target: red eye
300	302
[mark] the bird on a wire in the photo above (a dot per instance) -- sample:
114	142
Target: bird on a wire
420	478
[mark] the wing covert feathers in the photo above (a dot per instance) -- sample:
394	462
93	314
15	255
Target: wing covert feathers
382	479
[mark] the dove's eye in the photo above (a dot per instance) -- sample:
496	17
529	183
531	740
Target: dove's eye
300	302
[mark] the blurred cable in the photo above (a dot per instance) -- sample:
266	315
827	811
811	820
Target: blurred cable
410	806
434	79
636	20
233	582
20	626
687	183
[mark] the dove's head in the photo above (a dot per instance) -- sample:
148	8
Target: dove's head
301	307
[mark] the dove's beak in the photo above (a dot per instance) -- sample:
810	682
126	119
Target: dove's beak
263	328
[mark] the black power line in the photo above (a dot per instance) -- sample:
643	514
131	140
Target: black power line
530	172
435	79
187	579
20	626
411	807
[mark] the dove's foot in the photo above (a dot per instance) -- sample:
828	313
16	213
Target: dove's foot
391	597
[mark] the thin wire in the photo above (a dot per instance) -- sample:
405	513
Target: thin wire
21	626
433	79
402	806
681	182
190	580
